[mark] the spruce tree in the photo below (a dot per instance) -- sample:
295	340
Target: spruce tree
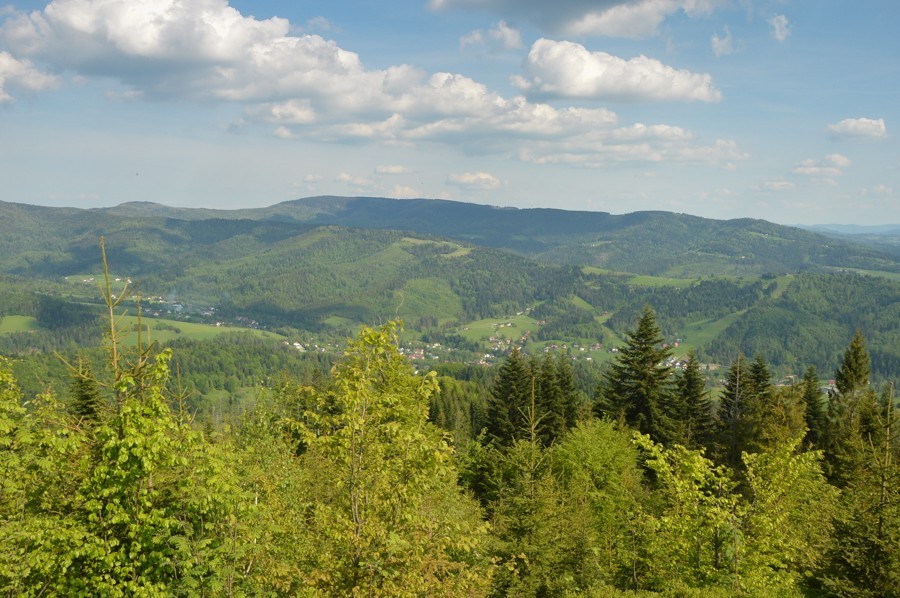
695	414
734	425
84	393
637	385
551	423
510	397
572	400
852	415
815	409
853	373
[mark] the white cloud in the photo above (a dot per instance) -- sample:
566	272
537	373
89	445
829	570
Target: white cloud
312	178
284	133
568	70
831	166
883	190
405	192
307	87
839	160
320	24
501	37
508	37
474	180
722	46
358	183
392	169
619	18
859	127
475	38
781	28
21	74
778	185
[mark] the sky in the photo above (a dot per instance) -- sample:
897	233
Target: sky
785	110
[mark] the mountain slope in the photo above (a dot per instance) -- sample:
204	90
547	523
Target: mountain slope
656	243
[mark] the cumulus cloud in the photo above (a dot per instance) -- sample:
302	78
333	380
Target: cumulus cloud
722	46
823	171
563	69
859	127
22	75
781	27
358	183
308	87
392	169
778	185
883	190
405	192
474	180
501	37
284	133
618	18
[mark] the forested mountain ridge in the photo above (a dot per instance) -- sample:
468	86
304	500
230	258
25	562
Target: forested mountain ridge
656	243
288	268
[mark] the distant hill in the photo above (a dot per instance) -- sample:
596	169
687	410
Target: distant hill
656	243
327	265
884	237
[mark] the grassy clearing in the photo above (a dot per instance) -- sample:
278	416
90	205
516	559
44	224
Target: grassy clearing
702	332
512	328
17	324
161	330
458	250
781	284
424	296
582	304
661	281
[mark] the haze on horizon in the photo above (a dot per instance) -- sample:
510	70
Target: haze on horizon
777	109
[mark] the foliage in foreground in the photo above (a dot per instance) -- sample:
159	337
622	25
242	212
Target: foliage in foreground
347	489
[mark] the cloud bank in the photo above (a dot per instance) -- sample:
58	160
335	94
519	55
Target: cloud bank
616	18
303	86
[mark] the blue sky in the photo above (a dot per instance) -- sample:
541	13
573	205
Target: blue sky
783	110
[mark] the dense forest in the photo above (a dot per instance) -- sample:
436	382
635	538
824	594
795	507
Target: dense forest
341	483
199	423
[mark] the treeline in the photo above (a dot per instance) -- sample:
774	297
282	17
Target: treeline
340	484
809	324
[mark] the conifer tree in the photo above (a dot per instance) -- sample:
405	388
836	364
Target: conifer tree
853	373
852	415
695	414
637	386
572	399
550	402
734	425
85	394
510	396
815	409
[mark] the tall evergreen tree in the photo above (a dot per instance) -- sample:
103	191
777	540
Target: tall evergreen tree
509	400
694	418
866	556
637	385
815	408
572	399
550	405
852	415
84	393
855	369
734	423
